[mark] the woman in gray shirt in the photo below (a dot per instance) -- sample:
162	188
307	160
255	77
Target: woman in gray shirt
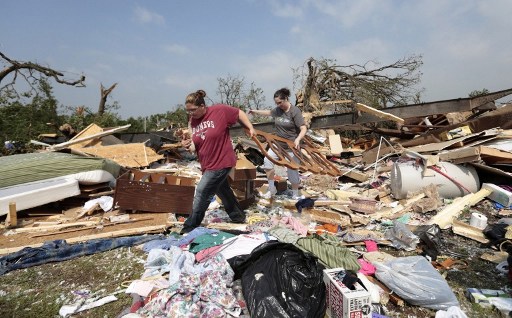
289	124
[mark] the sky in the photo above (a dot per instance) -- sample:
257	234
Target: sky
159	51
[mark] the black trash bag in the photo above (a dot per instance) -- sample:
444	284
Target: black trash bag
430	240
281	280
304	203
496	232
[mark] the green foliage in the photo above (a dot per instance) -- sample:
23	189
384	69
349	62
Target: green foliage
81	117
476	93
23	122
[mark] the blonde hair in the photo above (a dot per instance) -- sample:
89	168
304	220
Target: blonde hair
196	98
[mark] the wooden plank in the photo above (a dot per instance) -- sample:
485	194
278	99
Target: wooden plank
457	154
12	217
466	230
335	144
379	113
133	155
353	174
79	140
93	227
445	217
52	227
492	155
327	216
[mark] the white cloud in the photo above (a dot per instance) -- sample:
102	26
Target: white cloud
177	49
269	71
294	9
350	13
372	49
143	15
187	82
296	30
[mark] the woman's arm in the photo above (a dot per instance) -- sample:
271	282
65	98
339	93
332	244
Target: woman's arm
264	112
303	130
244	120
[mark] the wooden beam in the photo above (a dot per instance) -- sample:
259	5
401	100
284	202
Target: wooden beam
12	217
379	113
79	140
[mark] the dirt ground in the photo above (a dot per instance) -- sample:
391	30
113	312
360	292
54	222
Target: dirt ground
40	291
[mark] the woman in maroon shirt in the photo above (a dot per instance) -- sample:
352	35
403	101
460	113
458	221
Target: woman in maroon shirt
209	137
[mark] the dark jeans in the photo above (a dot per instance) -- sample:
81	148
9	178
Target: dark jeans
213	182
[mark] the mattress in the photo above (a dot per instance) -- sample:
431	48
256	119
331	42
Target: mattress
30	167
32	194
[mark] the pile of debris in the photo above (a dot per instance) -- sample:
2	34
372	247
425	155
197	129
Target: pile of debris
368	234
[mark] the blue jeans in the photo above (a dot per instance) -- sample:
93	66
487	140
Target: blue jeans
213	182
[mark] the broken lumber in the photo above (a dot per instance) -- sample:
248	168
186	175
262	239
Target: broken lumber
466	230
79	140
52	227
93	227
445	218
378	113
12	218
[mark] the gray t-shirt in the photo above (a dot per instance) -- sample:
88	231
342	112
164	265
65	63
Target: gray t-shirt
288	123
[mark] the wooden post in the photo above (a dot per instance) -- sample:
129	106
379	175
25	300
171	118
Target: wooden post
12	217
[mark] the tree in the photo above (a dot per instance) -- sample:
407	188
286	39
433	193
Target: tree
32	73
232	91
477	93
370	84
254	99
23	122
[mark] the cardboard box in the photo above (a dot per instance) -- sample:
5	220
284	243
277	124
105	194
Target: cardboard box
343	302
244	170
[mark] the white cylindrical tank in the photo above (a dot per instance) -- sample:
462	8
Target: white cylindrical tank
408	177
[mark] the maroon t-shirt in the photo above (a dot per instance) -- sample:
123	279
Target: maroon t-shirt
210	135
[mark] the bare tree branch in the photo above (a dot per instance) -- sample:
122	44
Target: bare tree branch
103	99
32	73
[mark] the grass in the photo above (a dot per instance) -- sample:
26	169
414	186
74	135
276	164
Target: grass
41	291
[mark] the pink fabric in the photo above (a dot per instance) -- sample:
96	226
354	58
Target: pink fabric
208	252
294	224
371	246
366	267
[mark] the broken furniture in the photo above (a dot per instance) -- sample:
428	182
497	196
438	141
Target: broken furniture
309	159
137	190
